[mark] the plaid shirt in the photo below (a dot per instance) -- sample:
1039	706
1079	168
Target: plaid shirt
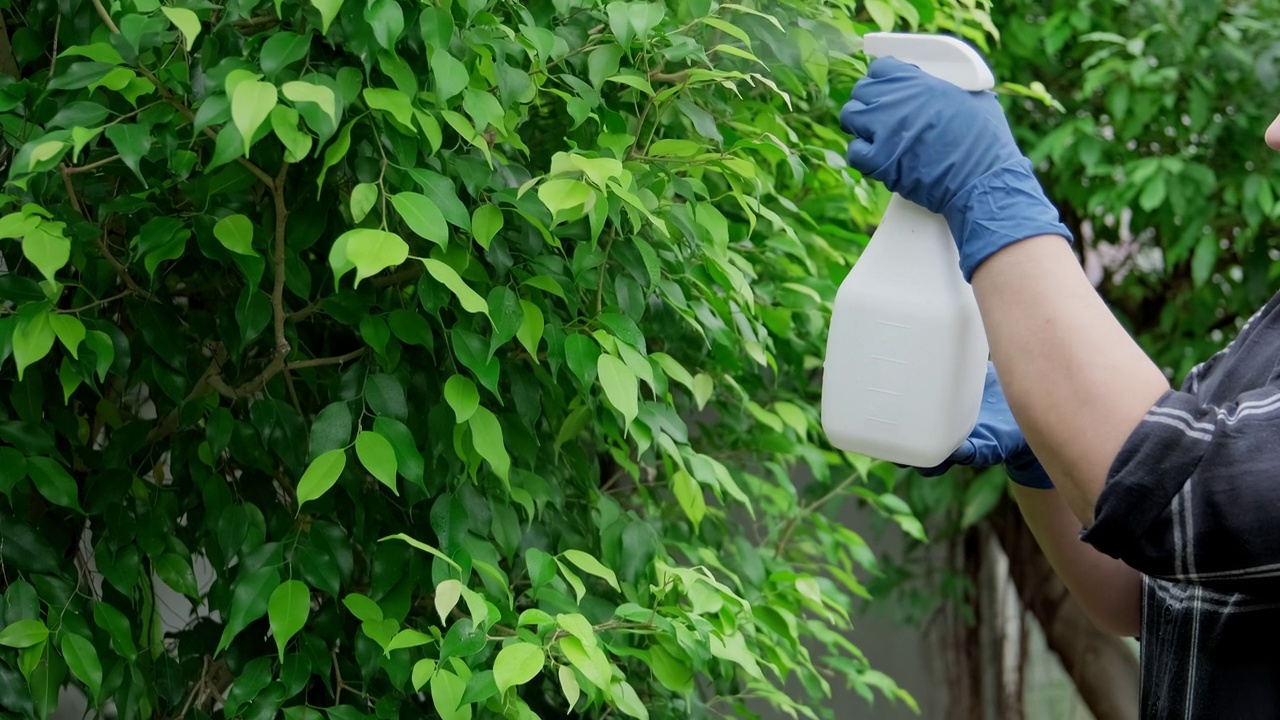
1193	502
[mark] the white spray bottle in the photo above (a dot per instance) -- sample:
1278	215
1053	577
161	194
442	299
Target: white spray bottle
907	353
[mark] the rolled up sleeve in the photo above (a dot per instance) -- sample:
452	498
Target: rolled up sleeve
1194	494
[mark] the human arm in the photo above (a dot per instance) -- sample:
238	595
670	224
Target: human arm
1108	590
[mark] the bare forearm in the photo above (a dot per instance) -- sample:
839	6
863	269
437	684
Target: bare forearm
1108	591
1076	382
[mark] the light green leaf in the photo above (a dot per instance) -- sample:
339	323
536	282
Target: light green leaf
563	195
486	222
422	672
378	457
321	475
589	660
364	609
408	638
689	494
447	690
588	564
447	276
367	250
674	148
297	91
423	547
32	339
578	626
422	216
486	435
703	386
619	385
392	102
186	22
287	611
283	49
575	582
250	596
569	686
83	661
883	14
251	104
636	81
24	634
69	330
235	232
105	351
363	197
448	592
517	664
462	396
284	122
328	11
531	327
47	248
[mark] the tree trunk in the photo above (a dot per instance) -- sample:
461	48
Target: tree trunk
1104	669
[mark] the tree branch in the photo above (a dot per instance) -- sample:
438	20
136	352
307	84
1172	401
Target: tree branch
277	290
807	510
74	170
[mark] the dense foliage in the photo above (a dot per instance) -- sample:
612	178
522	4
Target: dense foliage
377	330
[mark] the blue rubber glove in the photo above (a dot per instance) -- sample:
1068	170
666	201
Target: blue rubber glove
951	152
995	439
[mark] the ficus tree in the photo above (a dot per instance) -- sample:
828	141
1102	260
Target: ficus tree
450	359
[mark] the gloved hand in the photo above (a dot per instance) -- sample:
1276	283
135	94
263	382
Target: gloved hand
951	152
996	438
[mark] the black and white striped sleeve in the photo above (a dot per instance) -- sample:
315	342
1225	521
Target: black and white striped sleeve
1194	494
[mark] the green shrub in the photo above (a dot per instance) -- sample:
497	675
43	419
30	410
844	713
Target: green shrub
398	316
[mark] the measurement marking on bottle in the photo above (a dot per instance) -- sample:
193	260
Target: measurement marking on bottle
893	324
888	359
882	390
880	420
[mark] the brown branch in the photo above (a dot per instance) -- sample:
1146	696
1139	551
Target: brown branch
98	303
306	312
8	65
411	271
121	270
277	290
71	190
74	170
807	510
277	366
106	18
320	362
170	423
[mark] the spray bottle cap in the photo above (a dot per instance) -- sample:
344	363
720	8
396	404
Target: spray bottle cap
945	58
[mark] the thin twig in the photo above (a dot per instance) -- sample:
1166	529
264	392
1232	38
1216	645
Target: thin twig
120	269
277	290
808	510
106	18
319	362
97	303
74	170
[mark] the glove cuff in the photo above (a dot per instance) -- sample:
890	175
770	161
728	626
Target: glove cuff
1005	206
1028	472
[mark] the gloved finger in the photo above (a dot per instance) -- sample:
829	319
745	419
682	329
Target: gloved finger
853	120
885	67
963	455
862	156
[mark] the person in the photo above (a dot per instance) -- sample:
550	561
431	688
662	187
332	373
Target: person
1159	507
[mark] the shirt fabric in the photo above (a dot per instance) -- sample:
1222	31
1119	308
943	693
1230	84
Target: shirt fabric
1193	502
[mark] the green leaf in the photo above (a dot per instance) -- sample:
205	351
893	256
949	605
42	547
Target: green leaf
251	104
517	664
625	699
321	475
53	482
422	672
117	626
486	435
83	661
531	327
883	14
103	349
281	50
588	564
367	250
287	611
235	232
392	102
448	592
563	195
47	248
133	142
186	22
422	216
569	686
689	494
24	634
423	547
363	197
674	675
378	457
363	608
250	596
575	582
446	696
506	314
462	396
619	385
703	386
589	660
449	74
304	92
582	355
542	567
328	11
176	572
284	122
331	429
447	276
486	222
408	638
